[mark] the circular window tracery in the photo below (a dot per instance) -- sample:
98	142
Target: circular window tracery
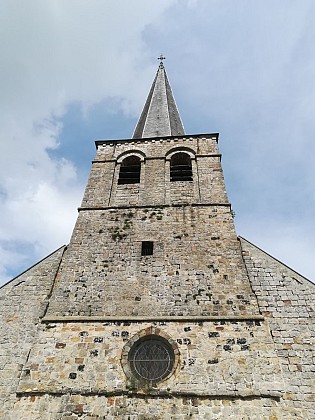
151	359
150	356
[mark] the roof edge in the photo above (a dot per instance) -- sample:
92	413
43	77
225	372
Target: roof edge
271	256
145	139
34	265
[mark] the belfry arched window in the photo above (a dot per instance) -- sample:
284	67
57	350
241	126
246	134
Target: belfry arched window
130	170
181	169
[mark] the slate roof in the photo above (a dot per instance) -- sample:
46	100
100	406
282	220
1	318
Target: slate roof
160	116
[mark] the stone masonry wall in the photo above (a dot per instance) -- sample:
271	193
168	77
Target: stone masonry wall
224	368
231	358
196	267
155	187
287	300
22	302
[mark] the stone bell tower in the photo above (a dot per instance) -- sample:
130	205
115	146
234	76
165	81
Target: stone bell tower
155	235
152	312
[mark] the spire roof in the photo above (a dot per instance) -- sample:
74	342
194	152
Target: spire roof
159	116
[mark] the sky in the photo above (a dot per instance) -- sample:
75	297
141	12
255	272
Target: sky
75	71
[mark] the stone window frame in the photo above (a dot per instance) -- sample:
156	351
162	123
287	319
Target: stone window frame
141	335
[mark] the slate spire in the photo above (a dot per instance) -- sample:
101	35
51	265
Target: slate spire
159	116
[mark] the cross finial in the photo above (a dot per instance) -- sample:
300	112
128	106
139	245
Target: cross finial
161	58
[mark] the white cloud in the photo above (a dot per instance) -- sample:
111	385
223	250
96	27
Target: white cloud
57	52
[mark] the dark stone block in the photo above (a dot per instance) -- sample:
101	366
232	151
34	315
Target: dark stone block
213	334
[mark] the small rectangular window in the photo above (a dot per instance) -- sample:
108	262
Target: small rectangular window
147	248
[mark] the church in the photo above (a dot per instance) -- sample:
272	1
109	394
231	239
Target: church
156	309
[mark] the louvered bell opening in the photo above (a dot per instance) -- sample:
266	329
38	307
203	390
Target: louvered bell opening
130	170
181	169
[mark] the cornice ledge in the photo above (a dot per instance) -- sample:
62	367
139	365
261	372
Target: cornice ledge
82	318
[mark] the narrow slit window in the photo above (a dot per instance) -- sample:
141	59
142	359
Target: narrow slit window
147	248
130	170
181	169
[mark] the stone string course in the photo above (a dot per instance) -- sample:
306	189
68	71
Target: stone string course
70	407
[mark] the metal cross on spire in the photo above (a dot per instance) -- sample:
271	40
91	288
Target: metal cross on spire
161	58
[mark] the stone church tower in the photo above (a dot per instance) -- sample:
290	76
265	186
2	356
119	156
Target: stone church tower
156	309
